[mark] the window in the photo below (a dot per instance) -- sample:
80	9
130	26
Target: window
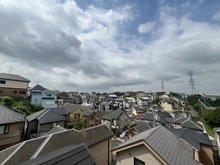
138	162
77	116
22	92
15	92
1	91
4	129
91	117
2	81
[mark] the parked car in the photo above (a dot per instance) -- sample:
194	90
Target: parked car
122	135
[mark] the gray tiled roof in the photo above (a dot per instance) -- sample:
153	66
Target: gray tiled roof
113	115
56	129
143	126
69	108
46	116
149	116
78	154
168	146
180	120
38	88
8	115
190	124
88	136
7	152
192	137
46	144
25	151
15	77
162	114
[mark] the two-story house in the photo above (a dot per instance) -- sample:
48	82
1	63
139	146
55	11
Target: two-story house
44	97
156	146
11	126
73	112
116	120
13	85
86	113
41	122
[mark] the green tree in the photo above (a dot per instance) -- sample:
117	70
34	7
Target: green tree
19	104
156	101
174	94
79	124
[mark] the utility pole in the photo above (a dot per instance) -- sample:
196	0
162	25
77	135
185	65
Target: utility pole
191	82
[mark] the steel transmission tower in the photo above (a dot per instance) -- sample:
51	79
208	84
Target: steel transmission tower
191	82
162	85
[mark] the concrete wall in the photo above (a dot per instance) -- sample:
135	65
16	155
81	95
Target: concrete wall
140	152
102	152
13	136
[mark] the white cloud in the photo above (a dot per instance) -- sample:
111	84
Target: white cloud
146	27
63	46
216	16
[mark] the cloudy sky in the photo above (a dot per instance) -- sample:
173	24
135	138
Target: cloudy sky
112	45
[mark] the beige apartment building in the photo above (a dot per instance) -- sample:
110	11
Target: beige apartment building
13	85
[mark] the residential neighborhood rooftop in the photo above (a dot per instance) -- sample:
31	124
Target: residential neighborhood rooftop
8	115
15	77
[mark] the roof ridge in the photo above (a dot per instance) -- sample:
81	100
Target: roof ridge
9	157
192	123
42	114
41	147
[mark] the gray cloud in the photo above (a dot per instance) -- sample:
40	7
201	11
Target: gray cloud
91	49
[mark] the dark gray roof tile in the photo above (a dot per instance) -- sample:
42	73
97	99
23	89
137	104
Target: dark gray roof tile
47	115
162	141
192	137
7	152
26	151
149	116
190	124
38	88
15	77
78	154
56	141
55	130
8	115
